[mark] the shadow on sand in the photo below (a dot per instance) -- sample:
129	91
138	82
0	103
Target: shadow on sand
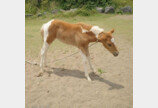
79	74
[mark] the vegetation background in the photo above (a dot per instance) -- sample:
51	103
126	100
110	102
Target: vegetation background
39	6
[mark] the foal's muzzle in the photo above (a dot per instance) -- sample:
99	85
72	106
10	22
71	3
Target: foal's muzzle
115	54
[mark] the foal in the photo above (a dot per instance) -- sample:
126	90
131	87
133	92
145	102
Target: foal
78	35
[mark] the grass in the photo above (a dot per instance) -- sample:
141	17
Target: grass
123	25
101	71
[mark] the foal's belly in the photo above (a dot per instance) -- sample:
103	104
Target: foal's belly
66	36
67	39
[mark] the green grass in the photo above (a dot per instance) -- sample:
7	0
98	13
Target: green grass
101	71
123	25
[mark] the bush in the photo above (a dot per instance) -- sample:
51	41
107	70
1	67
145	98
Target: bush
85	12
30	8
121	3
88	4
45	5
78	12
33	6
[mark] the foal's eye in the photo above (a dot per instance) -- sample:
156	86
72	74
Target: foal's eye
109	45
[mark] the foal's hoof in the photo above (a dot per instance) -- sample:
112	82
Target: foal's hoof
94	71
89	79
46	66
40	74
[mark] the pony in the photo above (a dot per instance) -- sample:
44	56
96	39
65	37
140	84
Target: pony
78	35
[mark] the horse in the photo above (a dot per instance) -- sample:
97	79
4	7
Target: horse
78	35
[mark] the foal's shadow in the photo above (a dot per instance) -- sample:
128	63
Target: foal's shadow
79	74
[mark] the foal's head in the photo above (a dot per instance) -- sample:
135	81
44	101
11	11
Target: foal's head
108	41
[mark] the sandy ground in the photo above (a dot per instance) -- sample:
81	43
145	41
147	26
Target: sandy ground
65	86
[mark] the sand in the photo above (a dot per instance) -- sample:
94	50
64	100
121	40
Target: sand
64	85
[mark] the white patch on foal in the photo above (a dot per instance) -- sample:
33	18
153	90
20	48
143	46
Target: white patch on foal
96	30
112	40
84	30
45	28
44	49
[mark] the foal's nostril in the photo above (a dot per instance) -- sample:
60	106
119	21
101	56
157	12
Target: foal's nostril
115	54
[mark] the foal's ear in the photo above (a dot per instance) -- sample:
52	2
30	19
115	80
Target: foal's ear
112	31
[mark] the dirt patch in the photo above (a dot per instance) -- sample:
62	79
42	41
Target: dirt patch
65	86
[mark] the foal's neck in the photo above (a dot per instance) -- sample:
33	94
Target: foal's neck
92	38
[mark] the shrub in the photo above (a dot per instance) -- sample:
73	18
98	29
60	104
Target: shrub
121	3
33	6
78	12
85	12
30	8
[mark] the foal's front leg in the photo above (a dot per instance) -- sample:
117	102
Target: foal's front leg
89	62
86	61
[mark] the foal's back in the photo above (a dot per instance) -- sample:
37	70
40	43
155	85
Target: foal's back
65	32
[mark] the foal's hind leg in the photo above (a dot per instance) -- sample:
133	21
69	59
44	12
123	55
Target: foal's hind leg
43	54
44	50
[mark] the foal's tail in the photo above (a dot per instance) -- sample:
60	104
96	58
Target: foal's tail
42	32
